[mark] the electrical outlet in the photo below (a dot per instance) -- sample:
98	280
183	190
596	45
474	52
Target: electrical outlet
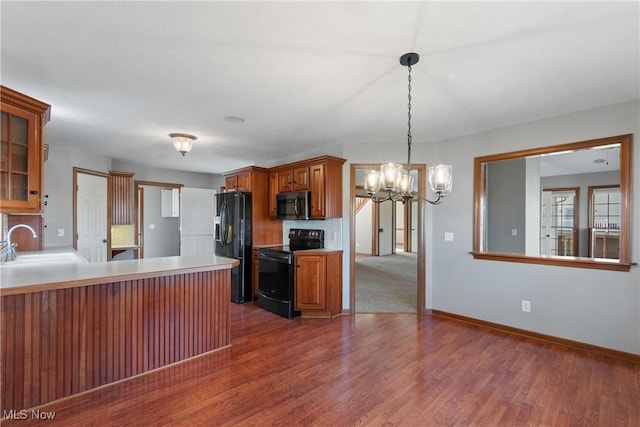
526	306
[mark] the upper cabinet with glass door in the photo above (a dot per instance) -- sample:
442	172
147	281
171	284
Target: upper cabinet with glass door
21	167
567	205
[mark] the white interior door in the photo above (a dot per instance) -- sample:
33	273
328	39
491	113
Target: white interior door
197	212
385	228
91	211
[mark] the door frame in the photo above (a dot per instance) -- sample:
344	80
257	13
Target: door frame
422	189
138	191
74	193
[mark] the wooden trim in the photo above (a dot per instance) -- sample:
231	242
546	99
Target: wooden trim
375	226
561	262
421	276
479	189
631	357
158	184
32	105
625	207
246	169
139	226
138	208
302	163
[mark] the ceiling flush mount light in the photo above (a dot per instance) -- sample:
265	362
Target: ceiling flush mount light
395	179
182	141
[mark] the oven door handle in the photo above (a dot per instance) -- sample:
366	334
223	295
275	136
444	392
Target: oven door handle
283	258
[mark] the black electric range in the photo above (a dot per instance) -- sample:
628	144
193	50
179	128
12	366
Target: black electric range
276	271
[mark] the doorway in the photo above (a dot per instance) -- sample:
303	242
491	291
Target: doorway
90	214
413	236
158	218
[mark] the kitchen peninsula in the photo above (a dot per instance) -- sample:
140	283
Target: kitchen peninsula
70	327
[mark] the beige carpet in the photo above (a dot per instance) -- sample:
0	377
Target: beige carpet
387	284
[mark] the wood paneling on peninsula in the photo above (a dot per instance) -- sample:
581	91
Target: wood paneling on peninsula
60	342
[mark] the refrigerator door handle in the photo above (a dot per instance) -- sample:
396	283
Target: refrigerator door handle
241	242
224	223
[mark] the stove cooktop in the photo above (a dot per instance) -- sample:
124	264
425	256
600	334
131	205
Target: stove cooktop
300	239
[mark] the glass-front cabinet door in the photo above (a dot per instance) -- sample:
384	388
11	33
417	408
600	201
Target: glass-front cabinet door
23	120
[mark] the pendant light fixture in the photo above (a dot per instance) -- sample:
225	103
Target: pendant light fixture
183	142
395	179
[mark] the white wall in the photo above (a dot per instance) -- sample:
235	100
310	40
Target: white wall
188	179
58	185
590	306
364	225
161	234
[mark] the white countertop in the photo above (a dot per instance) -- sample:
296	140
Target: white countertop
33	277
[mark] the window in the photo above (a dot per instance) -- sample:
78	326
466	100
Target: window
559	220
604	222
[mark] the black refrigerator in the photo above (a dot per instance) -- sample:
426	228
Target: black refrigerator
233	240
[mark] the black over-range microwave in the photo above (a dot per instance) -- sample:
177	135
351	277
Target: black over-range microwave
295	205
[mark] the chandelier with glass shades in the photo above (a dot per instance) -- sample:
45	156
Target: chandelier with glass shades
395	179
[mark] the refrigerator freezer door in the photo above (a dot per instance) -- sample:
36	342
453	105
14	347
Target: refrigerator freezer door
225	226
233	240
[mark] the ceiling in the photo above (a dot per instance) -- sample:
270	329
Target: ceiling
307	77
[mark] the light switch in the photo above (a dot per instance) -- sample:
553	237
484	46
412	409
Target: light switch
448	236
60	232
514	232
152	226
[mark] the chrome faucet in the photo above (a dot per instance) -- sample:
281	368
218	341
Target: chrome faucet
11	247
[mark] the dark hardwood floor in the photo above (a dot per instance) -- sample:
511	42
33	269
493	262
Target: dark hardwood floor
368	369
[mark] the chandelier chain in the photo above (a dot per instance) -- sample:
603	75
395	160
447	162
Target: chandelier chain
396	179
409	137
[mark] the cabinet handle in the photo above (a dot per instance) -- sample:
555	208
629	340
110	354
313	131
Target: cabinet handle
33	192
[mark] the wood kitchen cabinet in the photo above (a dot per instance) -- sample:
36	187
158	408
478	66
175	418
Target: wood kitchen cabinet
22	158
121	197
273	191
322	176
22	236
318	287
239	180
296	179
